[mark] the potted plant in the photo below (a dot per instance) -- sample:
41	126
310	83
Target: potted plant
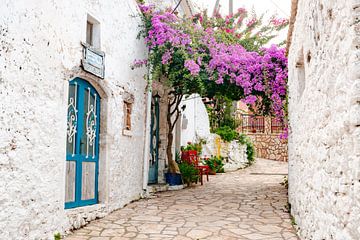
215	164
189	173
174	179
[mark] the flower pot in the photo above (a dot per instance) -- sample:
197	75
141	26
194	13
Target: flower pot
173	179
212	172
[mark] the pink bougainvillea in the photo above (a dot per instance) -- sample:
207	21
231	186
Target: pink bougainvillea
259	74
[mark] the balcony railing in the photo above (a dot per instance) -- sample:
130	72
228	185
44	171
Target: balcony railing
276	126
252	123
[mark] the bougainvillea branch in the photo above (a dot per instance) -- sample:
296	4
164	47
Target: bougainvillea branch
226	53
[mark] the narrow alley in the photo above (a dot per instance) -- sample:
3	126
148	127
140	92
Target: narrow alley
246	204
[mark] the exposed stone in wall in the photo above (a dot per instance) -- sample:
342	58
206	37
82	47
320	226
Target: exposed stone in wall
324	113
234	154
162	90
269	145
40	52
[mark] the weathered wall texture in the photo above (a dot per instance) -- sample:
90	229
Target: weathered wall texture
324	113
40	52
162	91
269	145
234	154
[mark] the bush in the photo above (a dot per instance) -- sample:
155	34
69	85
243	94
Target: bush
189	173
226	133
57	236
215	164
194	146
250	149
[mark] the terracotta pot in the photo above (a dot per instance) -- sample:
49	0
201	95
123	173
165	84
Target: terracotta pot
212	172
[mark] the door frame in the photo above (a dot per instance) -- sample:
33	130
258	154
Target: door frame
81	85
155	133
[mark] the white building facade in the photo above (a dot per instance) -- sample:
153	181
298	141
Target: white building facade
324	113
71	143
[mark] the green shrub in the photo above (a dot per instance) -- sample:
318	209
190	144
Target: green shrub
215	164
226	133
57	236
194	146
250	149
188	172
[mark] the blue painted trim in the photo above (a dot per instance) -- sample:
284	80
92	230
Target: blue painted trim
155	122
80	158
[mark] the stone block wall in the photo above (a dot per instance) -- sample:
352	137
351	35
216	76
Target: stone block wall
324	113
269	145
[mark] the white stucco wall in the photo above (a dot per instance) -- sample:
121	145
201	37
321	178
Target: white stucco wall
195	123
40	52
324	112
233	153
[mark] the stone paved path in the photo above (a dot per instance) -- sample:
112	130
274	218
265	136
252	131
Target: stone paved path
247	204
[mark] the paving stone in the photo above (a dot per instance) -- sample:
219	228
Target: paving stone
267	228
151	228
99	238
239	231
237	205
112	232
197	234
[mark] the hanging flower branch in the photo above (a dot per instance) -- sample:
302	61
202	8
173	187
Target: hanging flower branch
209	55
218	48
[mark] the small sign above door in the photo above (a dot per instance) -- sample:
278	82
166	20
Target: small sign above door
93	61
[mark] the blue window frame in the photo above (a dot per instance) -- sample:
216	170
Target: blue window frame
82	145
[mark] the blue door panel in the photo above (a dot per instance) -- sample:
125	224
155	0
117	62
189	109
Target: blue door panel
87	108
154	141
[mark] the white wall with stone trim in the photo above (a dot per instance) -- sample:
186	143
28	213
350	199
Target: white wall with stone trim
324	113
40	52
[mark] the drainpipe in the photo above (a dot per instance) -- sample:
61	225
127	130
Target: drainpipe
146	155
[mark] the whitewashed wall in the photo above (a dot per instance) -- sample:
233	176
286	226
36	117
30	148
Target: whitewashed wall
324	109
40	52
195	123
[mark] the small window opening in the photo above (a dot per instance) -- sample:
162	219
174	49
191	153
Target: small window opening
93	32
128	110
89	33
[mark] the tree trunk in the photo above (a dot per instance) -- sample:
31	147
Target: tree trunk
173	166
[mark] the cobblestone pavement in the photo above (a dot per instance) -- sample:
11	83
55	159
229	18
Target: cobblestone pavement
246	204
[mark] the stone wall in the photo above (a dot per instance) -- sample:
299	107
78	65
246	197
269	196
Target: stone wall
40	52
324	113
162	91
269	145
234	154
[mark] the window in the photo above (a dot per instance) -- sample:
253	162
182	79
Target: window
89	33
93	32
127	114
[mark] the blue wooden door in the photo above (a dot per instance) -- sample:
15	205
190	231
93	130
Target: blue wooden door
82	145
154	141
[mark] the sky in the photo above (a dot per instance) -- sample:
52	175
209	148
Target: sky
267	7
